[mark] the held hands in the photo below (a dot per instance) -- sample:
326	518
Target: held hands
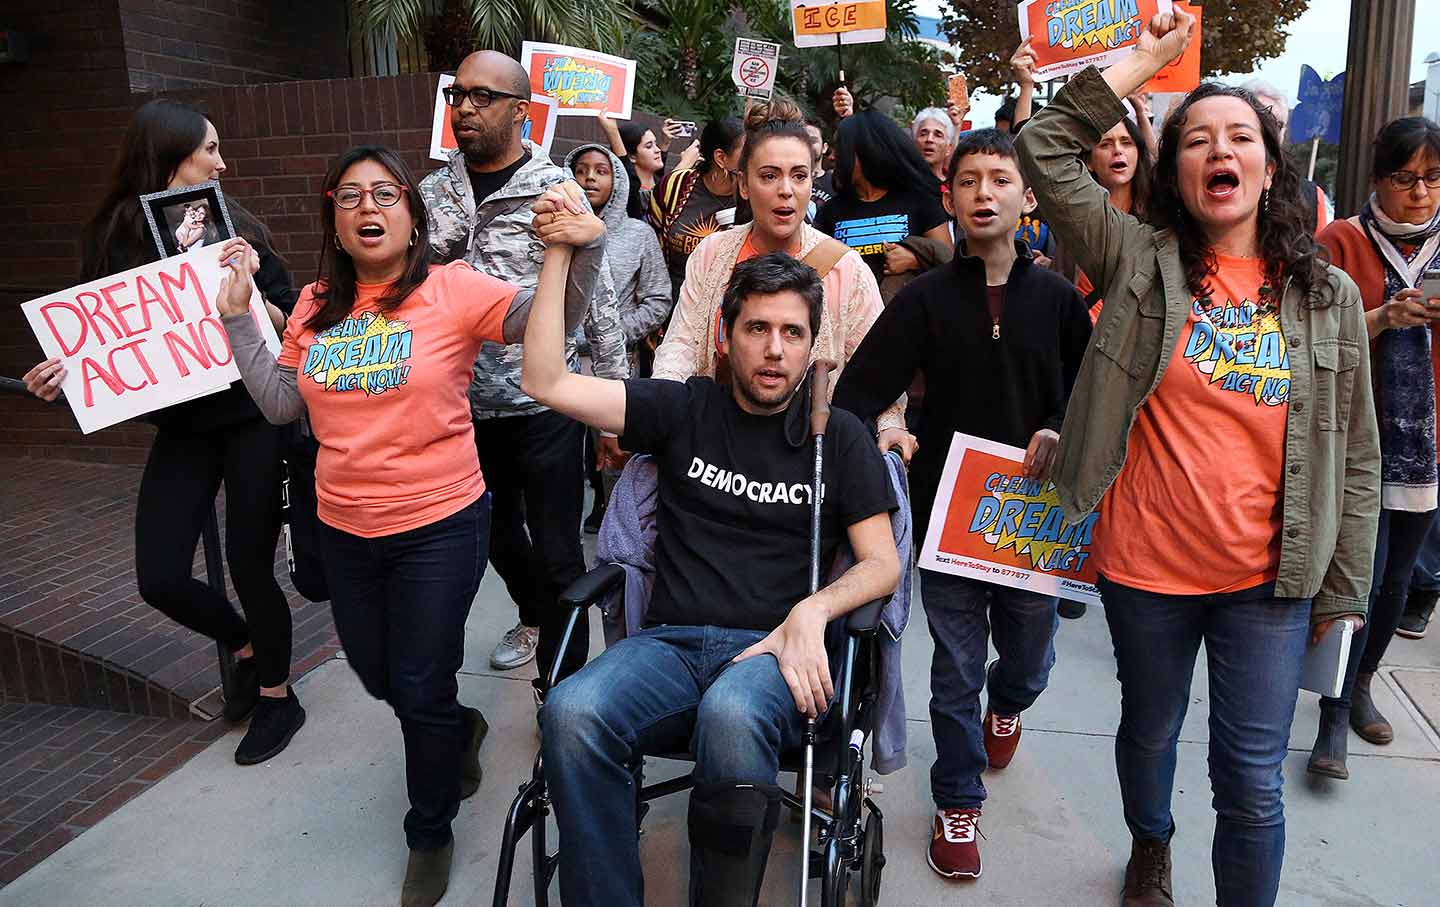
1022	65
798	645
1407	308
563	219
1040	455
1317	631
843	102
608	454
240	261
44	379
900	439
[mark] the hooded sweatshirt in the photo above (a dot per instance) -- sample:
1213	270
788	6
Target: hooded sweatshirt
495	235
637	265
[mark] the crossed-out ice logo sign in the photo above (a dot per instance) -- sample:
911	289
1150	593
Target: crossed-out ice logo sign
572	82
1242	350
1023	514
1103	23
365	352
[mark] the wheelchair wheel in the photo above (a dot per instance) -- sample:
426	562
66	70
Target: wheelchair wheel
872	859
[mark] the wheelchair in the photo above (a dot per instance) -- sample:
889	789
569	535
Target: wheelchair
850	833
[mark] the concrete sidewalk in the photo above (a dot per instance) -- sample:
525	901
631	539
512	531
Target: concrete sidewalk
321	824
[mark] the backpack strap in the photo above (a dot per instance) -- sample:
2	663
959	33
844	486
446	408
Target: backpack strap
825	256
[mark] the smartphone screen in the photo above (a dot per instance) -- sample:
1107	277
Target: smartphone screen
1430	287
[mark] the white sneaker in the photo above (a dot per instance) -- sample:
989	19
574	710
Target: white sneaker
516	648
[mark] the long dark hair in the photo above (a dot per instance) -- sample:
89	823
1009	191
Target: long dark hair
888	157
1144	178
335	285
1286	244
718	135
631	135
161	135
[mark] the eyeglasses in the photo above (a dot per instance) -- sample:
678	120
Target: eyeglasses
385	195
479	97
1404	180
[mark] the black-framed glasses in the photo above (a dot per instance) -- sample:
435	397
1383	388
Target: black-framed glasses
480	98
1405	180
385	195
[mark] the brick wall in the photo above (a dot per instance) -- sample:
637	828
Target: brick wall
177	45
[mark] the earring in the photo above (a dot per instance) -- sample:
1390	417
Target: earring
1265	201
336	237
414	235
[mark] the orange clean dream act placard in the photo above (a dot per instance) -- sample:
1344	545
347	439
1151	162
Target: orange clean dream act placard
1069	35
584	83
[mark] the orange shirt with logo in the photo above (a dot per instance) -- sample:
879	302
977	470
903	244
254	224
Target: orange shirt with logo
387	399
1196	510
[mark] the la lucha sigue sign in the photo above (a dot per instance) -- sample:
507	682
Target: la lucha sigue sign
141	340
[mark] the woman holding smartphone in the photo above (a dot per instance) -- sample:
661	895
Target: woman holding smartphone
1392	252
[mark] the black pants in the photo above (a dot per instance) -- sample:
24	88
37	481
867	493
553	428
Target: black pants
177	491
400	603
534	469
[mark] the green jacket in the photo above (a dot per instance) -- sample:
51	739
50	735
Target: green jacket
1331	497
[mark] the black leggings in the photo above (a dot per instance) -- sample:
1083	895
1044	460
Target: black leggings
178	489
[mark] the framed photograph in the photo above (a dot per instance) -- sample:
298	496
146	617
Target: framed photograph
187	218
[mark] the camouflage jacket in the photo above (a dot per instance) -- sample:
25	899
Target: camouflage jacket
497	238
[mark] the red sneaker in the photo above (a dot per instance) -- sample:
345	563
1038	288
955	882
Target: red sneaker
1002	738
954	853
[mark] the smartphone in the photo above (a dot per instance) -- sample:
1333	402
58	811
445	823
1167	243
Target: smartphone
1430	288
687	127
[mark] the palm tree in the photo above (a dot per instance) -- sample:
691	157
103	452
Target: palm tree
695	30
452	28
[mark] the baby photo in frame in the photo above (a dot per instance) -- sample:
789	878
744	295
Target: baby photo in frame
187	218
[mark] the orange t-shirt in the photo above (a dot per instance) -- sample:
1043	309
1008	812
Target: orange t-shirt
387	399
1196	510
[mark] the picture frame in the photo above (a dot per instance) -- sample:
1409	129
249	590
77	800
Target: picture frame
187	218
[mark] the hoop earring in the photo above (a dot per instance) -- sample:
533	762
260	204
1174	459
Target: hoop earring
414	235
336	238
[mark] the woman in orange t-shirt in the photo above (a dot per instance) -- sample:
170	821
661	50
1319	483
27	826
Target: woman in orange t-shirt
1222	421
1387	249
378	354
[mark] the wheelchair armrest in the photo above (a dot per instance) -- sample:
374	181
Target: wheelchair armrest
864	620
593	586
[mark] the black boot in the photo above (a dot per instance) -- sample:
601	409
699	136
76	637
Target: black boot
275	721
1364	717
1419	606
242	692
427	875
1327	757
470	770
731	826
1071	610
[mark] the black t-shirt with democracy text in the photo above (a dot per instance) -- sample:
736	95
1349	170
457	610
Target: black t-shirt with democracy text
732	544
867	226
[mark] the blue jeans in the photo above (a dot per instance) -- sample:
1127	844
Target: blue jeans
963	615
666	689
1426	575
1255	649
400	603
1398	541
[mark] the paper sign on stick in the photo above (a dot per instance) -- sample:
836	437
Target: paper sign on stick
992	523
1069	35
754	68
1182	75
957	92
583	82
817	23
142	339
539	127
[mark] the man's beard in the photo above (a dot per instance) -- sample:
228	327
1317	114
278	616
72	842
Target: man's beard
776	400
486	145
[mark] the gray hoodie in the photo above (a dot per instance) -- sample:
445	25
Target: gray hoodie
495	235
637	266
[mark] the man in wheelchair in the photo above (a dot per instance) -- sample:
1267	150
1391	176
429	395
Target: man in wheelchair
732	660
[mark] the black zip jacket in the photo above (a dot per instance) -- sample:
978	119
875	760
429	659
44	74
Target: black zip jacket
1004	390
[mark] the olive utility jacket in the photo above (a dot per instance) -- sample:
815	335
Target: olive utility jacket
1331	496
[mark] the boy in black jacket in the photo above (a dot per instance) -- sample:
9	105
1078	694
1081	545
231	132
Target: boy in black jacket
999	341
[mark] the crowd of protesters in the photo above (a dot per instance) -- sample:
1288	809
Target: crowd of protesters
1065	283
